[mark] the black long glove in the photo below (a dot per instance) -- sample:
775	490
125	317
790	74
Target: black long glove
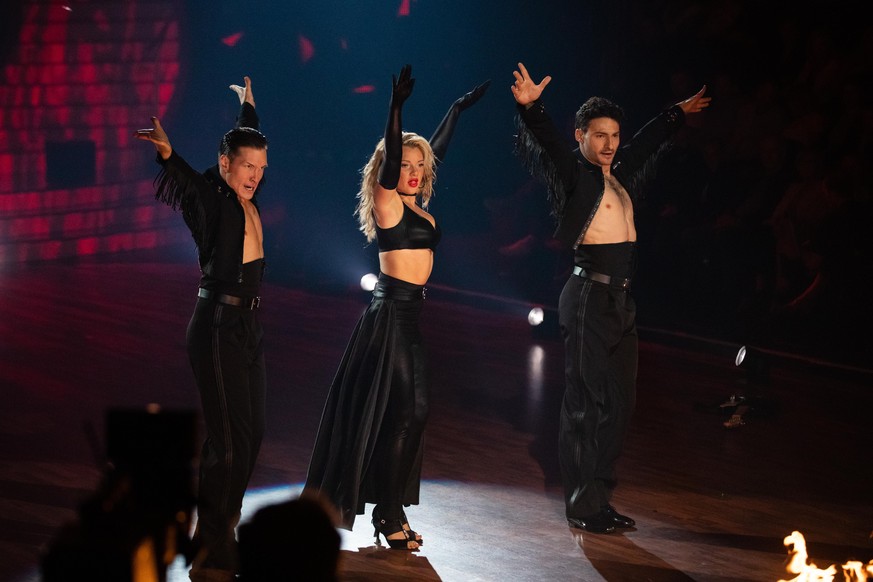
401	89
442	135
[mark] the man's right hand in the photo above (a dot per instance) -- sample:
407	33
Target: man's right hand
157	136
524	89
244	93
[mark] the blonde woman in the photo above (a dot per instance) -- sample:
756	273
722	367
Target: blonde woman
369	444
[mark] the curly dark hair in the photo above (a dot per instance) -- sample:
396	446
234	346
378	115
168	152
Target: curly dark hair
597	107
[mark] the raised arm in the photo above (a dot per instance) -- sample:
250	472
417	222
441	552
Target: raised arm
177	184
442	135
244	93
651	137
524	89
247	116
541	147
401	89
695	103
157	136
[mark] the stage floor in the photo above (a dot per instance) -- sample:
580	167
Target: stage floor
711	503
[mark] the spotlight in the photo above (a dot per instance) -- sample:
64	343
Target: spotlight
368	282
754	363
535	316
741	356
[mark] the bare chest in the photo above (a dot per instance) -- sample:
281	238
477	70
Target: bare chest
254	238
615	197
614	219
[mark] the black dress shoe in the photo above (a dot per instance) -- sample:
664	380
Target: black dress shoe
600	522
618	520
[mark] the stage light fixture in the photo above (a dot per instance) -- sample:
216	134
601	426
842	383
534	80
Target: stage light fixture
741	356
368	282
535	316
754	363
754	366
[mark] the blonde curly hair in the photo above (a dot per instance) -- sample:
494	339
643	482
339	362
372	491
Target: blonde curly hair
370	176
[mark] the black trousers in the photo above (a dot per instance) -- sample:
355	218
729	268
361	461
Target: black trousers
225	347
600	341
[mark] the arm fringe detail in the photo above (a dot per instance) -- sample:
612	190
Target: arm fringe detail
178	197
640	180
534	158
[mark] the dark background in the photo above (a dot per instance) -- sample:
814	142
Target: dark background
754	229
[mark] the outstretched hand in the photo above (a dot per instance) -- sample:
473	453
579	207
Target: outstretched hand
401	87
524	89
244	93
470	99
696	102
157	136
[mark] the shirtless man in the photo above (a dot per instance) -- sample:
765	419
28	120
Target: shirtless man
224	336
592	193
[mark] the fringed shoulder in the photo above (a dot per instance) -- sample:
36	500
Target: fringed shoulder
540	165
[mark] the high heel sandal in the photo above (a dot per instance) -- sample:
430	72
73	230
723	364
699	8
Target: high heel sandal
391	527
414	535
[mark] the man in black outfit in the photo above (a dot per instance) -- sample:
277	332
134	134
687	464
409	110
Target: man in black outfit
592	193
224	335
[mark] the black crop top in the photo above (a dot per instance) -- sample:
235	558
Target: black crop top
412	232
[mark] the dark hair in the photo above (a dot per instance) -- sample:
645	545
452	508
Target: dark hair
597	107
241	137
292	540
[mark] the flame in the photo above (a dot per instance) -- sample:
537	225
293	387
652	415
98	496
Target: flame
855	571
798	563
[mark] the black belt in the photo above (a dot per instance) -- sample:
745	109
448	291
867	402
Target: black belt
244	302
601	278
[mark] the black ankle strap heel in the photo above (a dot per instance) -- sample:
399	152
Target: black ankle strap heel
391	527
414	535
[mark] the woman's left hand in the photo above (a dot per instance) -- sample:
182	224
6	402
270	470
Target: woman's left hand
469	99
